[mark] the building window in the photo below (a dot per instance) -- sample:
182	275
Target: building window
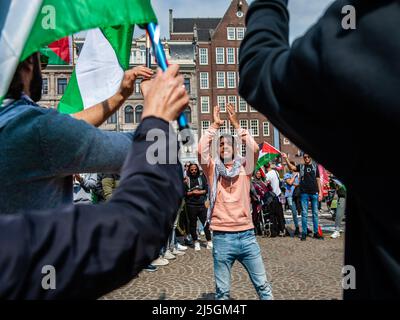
203	53
230	33
230	55
242	105
220	79
205	125
224	127
266	129
112	119
254	127
252	109
61	85
220	55
142	54
45	86
221	101
240	33
138	113
137	87
231	79
187	84
205	104
243	150
244	124
237	55
204	80
129	114
188	114
286	141
232	101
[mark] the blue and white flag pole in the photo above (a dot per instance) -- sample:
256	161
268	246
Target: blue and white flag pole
153	31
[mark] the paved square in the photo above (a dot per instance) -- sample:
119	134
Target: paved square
296	269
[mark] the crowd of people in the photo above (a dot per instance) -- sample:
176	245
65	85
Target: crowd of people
98	248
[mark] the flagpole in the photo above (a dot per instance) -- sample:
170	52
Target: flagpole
158	52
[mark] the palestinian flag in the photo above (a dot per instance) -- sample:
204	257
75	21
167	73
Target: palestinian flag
28	26
99	69
59	52
267	154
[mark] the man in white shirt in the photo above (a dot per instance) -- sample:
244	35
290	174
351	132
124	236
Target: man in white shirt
272	177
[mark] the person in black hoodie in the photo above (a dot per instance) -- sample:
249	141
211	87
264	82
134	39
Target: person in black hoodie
196	196
346	74
95	249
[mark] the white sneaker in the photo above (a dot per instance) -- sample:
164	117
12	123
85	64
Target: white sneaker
335	235
202	233
197	246
169	256
160	261
181	247
209	245
178	252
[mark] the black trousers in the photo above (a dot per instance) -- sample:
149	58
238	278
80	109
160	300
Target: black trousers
195	212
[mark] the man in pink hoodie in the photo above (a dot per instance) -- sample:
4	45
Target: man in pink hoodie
229	178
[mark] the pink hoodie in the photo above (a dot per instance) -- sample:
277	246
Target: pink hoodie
232	205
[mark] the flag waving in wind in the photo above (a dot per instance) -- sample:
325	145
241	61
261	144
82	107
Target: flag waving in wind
28	26
267	154
59	52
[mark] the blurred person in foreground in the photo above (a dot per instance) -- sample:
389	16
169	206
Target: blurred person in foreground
57	145
95	249
343	72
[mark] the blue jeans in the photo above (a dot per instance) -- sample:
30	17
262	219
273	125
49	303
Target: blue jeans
292	207
242	246
304	197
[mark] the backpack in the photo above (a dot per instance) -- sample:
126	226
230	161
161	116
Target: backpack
302	166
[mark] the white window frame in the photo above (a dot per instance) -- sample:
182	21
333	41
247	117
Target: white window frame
205	100
220	100
203	57
206	79
254	133
204	124
230	53
231	80
224	127
241	100
231	31
221	76
233	100
241	31
244	124
266	129
220	53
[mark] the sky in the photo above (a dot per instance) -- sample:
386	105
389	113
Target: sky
303	13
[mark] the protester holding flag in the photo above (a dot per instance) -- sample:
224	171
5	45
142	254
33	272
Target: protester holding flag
229	179
56	145
95	249
310	190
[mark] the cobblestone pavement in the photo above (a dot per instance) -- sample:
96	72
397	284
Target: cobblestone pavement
296	269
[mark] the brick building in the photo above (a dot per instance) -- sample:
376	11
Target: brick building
128	117
216	43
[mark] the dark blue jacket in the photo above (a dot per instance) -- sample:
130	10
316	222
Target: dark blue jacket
94	249
335	93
